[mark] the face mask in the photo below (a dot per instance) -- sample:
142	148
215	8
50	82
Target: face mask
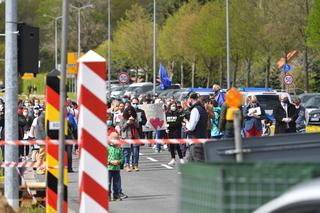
109	123
1	107
135	106
286	100
36	104
173	109
25	114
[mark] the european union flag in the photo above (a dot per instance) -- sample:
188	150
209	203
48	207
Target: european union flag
165	81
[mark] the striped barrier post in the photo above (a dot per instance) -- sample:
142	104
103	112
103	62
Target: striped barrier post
52	156
93	154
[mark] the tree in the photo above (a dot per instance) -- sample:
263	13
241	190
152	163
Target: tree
133	40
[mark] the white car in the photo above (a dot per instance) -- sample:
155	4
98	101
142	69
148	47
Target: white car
304	198
136	89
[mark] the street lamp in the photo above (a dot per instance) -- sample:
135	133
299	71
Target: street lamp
228	45
79	32
79	22
55	38
154	45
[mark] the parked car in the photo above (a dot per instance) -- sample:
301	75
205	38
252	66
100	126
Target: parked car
314	117
136	89
306	96
304	198
116	91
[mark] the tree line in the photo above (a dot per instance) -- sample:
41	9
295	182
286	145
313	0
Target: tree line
191	38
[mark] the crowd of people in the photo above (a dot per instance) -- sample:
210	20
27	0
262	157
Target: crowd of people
195	117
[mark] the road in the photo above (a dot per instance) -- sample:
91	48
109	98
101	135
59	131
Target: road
153	189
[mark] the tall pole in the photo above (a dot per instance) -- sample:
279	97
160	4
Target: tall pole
55	44
11	186
228	45
109	48
64	44
79	33
154	45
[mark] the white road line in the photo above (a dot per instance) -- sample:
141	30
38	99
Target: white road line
140	154
168	167
152	159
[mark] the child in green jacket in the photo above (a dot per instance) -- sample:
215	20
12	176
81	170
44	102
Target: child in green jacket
115	159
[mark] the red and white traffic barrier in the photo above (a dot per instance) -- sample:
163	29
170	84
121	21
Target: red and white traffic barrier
93	153
20	164
121	141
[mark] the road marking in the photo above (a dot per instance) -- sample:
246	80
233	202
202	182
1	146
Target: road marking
152	159
140	154
168	167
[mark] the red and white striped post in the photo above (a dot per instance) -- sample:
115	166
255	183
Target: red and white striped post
93	165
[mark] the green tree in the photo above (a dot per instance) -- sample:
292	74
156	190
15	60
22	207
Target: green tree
133	40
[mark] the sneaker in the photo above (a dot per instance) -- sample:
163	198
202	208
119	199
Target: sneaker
154	147
172	162
128	169
182	161
116	198
136	168
165	147
123	196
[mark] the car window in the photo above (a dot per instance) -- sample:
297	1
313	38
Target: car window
268	102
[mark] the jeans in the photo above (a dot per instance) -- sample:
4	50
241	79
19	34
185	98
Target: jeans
69	153
115	179
135	149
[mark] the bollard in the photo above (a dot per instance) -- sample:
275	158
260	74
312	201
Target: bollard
237	135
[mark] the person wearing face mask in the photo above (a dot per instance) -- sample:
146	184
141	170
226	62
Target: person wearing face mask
173	118
301	120
141	115
285	115
129	129
253	116
118	114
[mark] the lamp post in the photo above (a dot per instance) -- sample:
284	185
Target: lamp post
154	45
55	38
109	48
228	45
79	31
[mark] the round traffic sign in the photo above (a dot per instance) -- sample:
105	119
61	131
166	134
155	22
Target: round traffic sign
288	79
123	77
286	67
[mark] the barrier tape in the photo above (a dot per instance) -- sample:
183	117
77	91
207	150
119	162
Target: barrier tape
121	142
25	165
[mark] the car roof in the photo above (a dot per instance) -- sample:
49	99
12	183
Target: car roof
140	84
308	191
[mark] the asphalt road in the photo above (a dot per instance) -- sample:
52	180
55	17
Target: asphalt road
154	188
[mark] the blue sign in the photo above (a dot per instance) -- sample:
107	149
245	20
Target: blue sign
286	68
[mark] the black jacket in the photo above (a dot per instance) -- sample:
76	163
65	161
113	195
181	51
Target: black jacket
279	113
174	121
142	119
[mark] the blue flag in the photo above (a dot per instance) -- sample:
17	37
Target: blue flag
165	81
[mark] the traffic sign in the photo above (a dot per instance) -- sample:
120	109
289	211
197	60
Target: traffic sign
123	77
286	67
288	79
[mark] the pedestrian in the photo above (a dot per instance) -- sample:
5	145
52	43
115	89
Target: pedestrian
285	115
196	127
141	115
219	96
215	133
129	129
173	118
115	159
39	133
301	112
253	116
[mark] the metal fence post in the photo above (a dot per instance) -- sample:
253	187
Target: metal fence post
237	136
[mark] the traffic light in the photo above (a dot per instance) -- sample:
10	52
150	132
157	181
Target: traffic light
28	49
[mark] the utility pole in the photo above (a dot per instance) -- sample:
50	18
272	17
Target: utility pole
11	186
109	48
228	45
55	19
154	45
64	47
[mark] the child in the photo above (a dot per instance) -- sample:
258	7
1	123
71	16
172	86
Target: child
115	159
